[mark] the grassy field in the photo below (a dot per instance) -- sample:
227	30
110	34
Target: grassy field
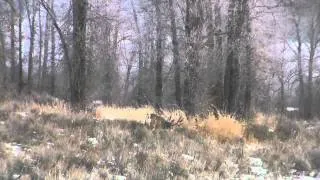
48	141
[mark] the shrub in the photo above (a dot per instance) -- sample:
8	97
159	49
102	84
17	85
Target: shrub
259	132
286	130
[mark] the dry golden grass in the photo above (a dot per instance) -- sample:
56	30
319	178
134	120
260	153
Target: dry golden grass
225	128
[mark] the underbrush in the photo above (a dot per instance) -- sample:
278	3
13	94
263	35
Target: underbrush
49	141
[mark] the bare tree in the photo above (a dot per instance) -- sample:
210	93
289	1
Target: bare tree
3	68
219	55
79	52
300	70
12	39
53	51
159	61
140	57
248	64
193	29
20	82
236	19
313	37
176	55
44	74
31	17
40	48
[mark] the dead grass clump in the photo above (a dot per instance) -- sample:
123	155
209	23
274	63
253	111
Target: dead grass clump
226	128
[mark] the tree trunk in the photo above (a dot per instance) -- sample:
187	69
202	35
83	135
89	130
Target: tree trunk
31	48
3	67
211	70
40	50
115	58
219	55
126	84
193	27
140	57
249	74
44	80
232	70
176	55
159	62
20	83
13	47
313	39
300	71
53	61
282	95
79	53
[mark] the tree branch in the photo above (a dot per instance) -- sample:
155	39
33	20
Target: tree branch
62	39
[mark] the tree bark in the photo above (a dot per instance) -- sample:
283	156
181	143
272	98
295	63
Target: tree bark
20	83
219	55
300	70
126	84
31	19
53	61
211	70
79	53
3	66
159	62
40	50
193	28
313	39
232	70
282	91
140	59
13	46
249	70
44	80
176	55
